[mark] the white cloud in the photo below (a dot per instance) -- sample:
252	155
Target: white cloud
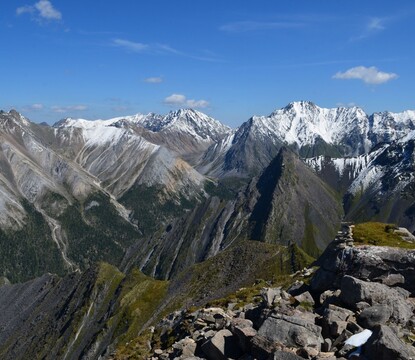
64	109
25	9
36	106
160	49
154	80
33	107
369	75
347	105
197	104
181	100
47	11
376	24
43	9
130	45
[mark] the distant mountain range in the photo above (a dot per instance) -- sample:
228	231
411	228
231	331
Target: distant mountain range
106	225
164	192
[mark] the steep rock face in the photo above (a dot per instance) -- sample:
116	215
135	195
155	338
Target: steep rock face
289	190
387	126
384	191
197	236
377	186
387	265
288	204
42	312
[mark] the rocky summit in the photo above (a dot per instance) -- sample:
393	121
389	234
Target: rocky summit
357	304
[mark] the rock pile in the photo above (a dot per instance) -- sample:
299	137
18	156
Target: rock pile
353	309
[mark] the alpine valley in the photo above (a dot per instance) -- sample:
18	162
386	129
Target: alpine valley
107	226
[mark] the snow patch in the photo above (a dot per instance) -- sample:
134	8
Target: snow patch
359	339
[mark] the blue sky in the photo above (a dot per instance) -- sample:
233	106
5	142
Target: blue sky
229	59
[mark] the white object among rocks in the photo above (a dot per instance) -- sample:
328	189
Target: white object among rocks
359	339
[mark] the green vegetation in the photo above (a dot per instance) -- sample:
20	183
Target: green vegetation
379	234
140	296
225	189
234	268
139	299
150	209
309	243
107	282
30	251
96	233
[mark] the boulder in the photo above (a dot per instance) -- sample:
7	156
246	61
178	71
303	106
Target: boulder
262	348
244	336
374	315
306	298
354	291
297	288
385	345
185	347
221	346
329	297
388	265
291	331
271	295
334	320
284	355
391	279
240	323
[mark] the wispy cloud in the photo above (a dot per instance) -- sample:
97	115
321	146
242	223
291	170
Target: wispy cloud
376	24
161	49
179	100
347	105
369	75
154	80
372	27
33	107
245	26
64	109
41	10
130	45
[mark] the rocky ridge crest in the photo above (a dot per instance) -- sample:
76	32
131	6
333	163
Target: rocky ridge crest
359	304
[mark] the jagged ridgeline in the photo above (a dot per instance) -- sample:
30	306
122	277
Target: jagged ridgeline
140	215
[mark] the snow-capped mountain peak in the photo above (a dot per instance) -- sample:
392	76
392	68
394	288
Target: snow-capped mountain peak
185	121
303	122
189	121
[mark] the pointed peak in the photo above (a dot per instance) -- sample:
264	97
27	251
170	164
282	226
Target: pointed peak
185	112
301	105
15	116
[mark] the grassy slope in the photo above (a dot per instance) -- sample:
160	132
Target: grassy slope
379	234
247	264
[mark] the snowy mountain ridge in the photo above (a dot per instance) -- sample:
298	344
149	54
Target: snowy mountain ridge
302	123
185	121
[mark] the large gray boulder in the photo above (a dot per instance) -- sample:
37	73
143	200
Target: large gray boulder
374	315
284	355
222	346
388	265
334	320
291	331
385	345
354	291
